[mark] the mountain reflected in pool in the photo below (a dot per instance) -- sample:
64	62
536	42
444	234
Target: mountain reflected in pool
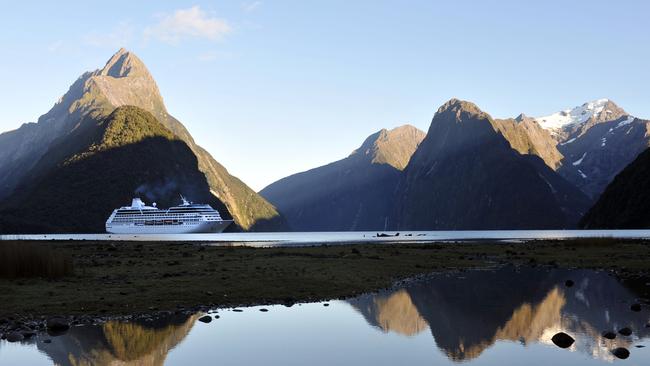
483	317
118	343
467	313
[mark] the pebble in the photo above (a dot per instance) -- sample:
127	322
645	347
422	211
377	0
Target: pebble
205	319
569	283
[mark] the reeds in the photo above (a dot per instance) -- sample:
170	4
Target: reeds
24	259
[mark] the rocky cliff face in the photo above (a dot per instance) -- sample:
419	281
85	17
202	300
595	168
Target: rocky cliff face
124	80
355	193
466	175
527	137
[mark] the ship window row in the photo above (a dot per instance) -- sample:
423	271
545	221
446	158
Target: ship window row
163	211
147	221
166	215
166	218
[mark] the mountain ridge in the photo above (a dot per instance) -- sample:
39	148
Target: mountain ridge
466	175
80	193
354	193
124	80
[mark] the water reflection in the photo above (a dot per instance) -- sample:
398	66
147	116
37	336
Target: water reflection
118	343
469	312
504	316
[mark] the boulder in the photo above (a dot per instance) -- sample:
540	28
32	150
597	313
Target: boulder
625	331
621	353
609	335
15	337
562	340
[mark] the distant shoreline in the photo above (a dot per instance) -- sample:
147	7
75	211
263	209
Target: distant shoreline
278	239
135	278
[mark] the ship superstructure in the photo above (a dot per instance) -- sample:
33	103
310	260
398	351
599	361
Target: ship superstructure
188	217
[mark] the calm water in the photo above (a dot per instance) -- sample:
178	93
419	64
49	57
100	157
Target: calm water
503	317
305	238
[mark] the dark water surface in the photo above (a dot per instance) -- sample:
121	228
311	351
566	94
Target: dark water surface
500	317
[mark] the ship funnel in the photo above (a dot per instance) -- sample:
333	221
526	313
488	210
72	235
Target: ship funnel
137	203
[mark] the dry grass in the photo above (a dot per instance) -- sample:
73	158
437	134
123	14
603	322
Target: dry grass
23	260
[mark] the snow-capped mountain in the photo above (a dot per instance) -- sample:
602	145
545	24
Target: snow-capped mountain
597	140
577	115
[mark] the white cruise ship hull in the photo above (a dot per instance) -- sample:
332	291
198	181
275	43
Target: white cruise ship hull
185	228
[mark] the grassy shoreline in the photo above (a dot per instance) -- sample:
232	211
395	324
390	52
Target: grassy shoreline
122	278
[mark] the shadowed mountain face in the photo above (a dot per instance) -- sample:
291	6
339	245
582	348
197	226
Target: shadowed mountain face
466	175
127	152
124	80
625	202
355	193
467	313
596	156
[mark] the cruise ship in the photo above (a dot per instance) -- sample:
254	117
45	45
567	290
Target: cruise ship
186	218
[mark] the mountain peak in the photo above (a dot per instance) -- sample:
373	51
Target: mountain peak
124	63
599	110
461	109
521	117
393	147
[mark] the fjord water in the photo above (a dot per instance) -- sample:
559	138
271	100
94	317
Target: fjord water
487	317
257	239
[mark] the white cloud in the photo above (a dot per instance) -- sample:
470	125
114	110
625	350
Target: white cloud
187	23
251	6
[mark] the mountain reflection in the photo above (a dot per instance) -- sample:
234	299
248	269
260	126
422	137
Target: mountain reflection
119	343
468	312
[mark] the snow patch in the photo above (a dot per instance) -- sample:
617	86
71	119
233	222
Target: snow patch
583	175
568	141
576	115
627	121
579	161
603	141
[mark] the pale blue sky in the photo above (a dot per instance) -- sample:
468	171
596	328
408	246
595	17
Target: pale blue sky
271	88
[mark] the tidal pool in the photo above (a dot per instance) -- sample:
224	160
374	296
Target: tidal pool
485	317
